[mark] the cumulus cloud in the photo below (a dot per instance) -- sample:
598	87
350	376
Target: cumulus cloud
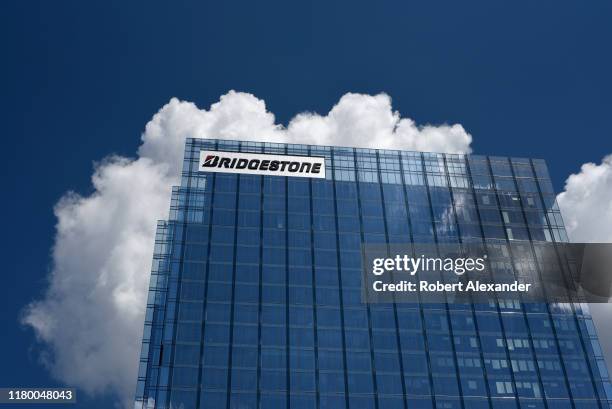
89	315
89	322
586	205
356	120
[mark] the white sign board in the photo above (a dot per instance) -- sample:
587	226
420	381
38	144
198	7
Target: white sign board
262	164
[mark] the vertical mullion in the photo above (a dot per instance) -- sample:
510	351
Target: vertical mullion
314	289
287	334
397	335
340	288
233	296
260	288
369	314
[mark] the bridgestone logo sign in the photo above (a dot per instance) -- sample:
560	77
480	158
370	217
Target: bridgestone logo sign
262	164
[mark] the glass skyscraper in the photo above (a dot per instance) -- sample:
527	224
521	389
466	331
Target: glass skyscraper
255	292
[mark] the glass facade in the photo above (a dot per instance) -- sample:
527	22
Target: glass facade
254	298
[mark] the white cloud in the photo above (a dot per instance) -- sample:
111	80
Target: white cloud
586	205
90	320
369	121
90	313
356	120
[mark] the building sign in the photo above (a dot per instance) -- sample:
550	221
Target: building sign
262	164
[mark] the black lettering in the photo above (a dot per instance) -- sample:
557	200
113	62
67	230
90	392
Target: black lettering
301	166
305	168
242	163
224	162
254	164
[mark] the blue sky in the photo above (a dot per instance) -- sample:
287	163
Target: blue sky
80	80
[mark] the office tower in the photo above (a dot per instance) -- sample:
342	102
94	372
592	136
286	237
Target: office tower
255	293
